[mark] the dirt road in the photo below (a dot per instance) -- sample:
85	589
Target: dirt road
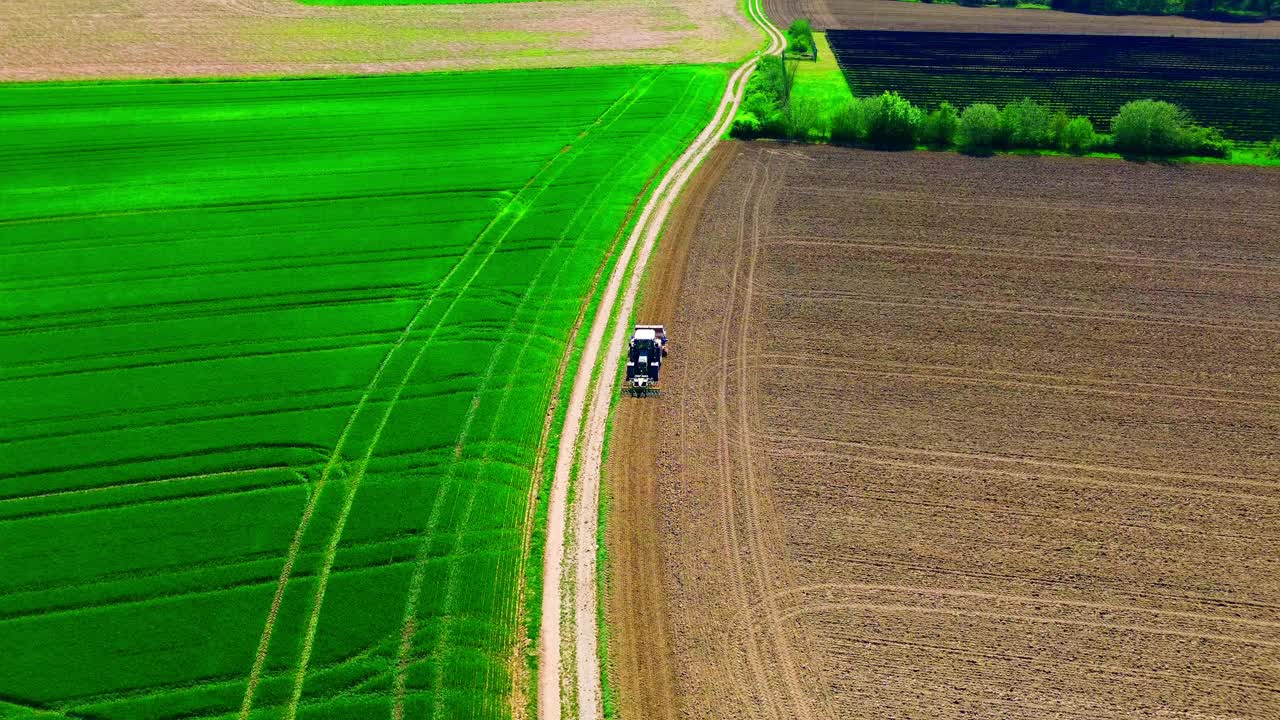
585	430
962	438
896	15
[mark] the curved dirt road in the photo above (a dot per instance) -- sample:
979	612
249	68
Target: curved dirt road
584	442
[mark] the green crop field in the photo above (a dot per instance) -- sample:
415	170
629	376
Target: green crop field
275	361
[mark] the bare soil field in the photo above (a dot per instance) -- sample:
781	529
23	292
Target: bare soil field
945	437
78	39
896	15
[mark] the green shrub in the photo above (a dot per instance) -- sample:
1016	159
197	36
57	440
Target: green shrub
940	126
1057	124
892	121
803	119
760	114
1151	127
770	78
1077	136
849	123
745	126
1026	124
979	127
800	38
1273	149
1208	141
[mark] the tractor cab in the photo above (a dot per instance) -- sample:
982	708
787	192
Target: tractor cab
644	359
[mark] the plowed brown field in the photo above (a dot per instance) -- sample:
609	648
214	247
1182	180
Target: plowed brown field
946	437
896	15
73	39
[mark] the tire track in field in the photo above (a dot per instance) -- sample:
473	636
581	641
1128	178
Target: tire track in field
174	355
945	248
1119	589
408	624
936	467
775	703
1035	461
522	201
296	543
166	571
137	503
917	590
1077	208
799	603
1072	380
144	483
1062	312
86	702
978	379
721	413
1119	671
1049	518
767	576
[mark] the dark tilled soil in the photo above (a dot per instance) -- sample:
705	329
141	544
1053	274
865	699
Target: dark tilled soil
896	15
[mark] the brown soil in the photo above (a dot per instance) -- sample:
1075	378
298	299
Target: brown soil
639	649
945	437
896	15
70	39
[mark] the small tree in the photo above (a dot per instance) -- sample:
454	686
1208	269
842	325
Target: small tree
1200	140
940	126
1026	124
1057	124
1077	136
849	123
800	38
1151	127
979	127
745	126
770	77
1273	149
803	119
892	121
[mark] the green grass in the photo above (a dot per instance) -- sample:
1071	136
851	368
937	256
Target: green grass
822	81
228	303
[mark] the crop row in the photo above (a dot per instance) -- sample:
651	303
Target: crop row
1233	85
299	332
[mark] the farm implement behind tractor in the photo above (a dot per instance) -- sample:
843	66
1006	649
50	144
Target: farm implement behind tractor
644	360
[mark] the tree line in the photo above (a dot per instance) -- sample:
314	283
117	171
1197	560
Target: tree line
1140	127
1224	10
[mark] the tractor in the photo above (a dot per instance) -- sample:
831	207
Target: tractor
644	359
